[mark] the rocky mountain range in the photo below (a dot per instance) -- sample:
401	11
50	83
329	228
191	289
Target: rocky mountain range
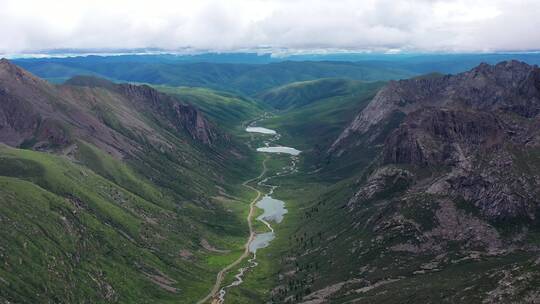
452	188
42	116
477	125
510	87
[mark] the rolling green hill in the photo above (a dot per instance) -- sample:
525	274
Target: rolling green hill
298	94
74	234
225	109
317	111
251	73
247	79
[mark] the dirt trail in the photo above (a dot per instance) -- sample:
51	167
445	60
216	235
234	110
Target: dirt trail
221	274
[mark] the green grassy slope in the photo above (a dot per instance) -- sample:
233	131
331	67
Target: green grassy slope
73	234
225	109
183	166
314	123
298	94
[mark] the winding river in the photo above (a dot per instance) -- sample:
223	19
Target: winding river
273	209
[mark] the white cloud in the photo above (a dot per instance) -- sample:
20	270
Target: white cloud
387	25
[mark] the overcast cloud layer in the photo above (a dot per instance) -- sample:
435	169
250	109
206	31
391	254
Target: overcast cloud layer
382	25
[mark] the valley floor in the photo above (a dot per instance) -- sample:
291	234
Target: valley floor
258	281
221	274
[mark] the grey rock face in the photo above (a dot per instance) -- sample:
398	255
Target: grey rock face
36	114
508	86
476	132
183	117
432	136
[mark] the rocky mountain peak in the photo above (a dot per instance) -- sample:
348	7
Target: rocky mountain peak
181	116
510	86
43	116
511	73
475	132
10	73
9	69
514	66
4	63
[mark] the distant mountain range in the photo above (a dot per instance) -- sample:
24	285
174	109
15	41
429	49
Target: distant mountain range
251	73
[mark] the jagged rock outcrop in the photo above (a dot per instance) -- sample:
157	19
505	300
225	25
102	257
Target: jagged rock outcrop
183	117
36	114
384	182
29	112
432	136
510	86
476	132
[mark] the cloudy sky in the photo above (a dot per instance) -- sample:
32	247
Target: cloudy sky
381	25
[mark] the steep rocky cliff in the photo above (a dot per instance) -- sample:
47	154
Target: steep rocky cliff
445	209
180	116
483	153
37	114
512	87
476	132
